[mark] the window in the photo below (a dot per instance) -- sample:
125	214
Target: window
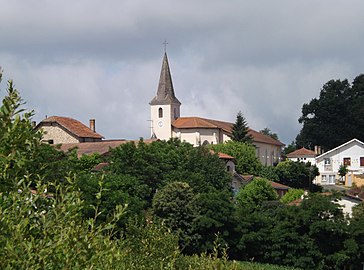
347	161
205	142
361	161
175	113
323	178
332	179
50	141
160	113
327	161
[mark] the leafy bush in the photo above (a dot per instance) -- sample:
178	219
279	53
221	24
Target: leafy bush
292	195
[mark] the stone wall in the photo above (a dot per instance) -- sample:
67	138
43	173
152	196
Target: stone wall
58	135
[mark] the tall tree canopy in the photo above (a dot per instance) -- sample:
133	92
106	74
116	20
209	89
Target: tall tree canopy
241	129
335	117
268	132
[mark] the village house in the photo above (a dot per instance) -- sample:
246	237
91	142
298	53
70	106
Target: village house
59	130
349	154
302	155
167	123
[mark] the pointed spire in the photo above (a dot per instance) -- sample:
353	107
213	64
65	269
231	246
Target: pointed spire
165	94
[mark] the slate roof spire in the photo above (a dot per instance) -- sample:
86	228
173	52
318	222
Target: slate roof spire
165	94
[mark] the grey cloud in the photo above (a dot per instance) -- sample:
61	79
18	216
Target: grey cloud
88	59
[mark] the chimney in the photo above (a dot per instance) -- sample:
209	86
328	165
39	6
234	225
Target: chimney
318	150
92	125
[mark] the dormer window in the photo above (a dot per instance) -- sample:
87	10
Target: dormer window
160	113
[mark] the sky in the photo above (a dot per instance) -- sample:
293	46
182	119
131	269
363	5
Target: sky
102	59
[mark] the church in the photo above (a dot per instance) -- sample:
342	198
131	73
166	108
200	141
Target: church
166	123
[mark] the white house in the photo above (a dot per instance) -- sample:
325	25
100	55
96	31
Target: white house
350	154
303	155
166	123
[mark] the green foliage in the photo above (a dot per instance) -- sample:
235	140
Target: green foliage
149	246
215	216
269	172
175	205
292	195
240	130
159	163
296	174
334	117
256	192
289	148
18	141
48	232
343	170
244	154
266	131
314	235
119	190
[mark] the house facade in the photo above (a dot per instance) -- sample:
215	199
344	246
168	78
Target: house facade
167	123
350	154
60	130
302	155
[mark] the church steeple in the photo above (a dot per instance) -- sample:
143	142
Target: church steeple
165	93
164	107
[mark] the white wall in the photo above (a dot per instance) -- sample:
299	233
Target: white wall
197	136
353	150
304	159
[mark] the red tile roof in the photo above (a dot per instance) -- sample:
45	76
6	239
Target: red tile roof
73	126
301	152
247	177
222	155
276	185
198	122
102	147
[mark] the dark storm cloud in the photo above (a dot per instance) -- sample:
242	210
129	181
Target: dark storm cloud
97	59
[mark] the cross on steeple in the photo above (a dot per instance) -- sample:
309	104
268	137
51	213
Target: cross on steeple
165	45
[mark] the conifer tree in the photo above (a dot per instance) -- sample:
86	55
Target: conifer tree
240	130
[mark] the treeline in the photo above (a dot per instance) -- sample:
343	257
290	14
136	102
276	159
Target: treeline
57	213
155	206
334	117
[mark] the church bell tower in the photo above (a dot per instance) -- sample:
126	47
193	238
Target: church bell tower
164	107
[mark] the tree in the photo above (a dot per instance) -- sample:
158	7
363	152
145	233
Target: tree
240	130
244	154
289	148
335	117
292	195
256	192
343	170
297	174
268	172
19	143
266	131
175	205
159	163
215	218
